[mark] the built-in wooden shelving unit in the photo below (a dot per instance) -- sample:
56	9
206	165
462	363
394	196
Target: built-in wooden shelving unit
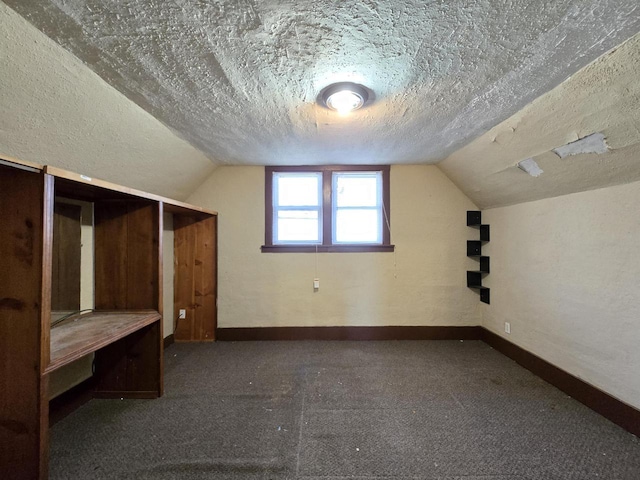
125	329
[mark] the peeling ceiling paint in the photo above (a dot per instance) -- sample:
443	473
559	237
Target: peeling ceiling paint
239	79
594	143
601	101
530	166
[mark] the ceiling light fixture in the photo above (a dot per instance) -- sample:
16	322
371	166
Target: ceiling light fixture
344	97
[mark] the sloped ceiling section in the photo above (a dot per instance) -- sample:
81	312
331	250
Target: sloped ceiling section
601	100
239	78
56	111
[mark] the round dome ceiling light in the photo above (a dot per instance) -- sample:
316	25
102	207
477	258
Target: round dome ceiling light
344	97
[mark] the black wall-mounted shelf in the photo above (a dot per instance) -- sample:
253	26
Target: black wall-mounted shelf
484	233
485	296
474	250
474	217
484	264
474	278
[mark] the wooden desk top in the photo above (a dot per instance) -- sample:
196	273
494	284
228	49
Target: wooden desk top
85	333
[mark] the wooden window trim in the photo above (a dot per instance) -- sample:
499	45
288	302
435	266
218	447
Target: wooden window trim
327	245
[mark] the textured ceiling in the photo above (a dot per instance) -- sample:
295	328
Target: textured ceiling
603	98
239	79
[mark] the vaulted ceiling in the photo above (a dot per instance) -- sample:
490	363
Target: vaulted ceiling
238	79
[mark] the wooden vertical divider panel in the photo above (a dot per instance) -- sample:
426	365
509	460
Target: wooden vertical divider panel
184	295
128	252
25	295
65	278
156	334
111	255
45	319
127	255
205	278
195	277
143	247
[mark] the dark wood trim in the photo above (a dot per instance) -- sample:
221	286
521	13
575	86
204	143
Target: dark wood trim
349	333
326	248
386	205
327	210
268	206
169	340
72	399
609	407
324	168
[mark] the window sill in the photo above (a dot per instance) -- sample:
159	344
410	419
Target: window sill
326	248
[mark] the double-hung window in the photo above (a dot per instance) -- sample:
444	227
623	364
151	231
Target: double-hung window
327	209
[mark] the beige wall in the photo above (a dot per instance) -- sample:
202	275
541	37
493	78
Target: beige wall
564	273
167	275
423	283
56	111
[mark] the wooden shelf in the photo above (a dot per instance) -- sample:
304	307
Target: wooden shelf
22	164
85	333
87	188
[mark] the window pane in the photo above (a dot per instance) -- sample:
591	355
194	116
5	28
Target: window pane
358	225
298	189
357	190
298	226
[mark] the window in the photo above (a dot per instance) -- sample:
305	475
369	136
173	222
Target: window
328	209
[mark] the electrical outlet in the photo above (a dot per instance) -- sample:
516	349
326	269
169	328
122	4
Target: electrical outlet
182	313
507	327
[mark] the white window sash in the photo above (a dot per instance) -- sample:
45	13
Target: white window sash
378	207
277	208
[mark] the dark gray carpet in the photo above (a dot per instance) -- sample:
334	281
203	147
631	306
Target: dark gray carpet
331	410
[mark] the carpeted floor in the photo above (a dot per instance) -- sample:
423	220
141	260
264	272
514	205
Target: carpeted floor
331	410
